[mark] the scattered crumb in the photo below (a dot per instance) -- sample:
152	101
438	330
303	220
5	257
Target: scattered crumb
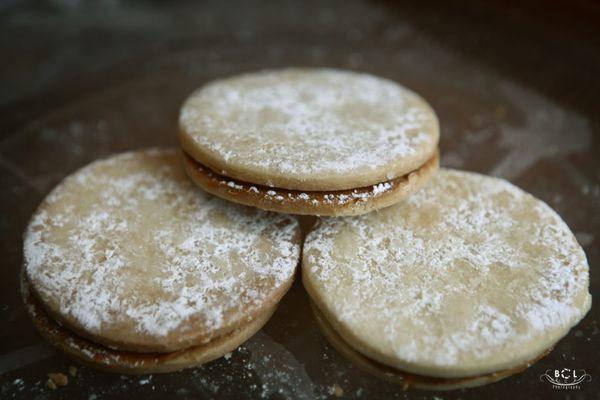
73	371
58	378
145	381
227	356
50	384
336	390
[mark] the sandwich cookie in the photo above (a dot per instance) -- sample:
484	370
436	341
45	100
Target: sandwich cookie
127	362
309	141
131	268
466	282
406	379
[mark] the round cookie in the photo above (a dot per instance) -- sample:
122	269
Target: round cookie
308	130
467	277
127	362
128	253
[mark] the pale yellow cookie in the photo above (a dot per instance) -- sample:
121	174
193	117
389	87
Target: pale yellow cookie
309	130
128	362
406	379
467	277
128	253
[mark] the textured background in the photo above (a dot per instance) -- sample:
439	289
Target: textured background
515	87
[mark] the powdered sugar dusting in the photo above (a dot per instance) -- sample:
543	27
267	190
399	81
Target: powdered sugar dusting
129	243
299	123
468	271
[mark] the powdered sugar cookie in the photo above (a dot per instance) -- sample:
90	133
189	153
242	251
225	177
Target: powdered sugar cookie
470	276
406	379
129	254
317	133
128	362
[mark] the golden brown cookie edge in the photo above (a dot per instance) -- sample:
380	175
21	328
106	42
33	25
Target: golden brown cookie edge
118	361
405	379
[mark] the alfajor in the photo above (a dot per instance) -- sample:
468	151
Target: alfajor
129	267
466	282
309	141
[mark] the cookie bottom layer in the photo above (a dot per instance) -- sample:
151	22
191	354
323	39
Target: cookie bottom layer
406	379
126	362
335	203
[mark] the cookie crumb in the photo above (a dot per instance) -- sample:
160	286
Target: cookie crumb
73	371
145	381
58	379
336	390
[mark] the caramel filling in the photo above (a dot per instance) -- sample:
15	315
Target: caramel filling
314	198
99	355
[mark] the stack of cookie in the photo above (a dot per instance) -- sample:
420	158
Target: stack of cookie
432	279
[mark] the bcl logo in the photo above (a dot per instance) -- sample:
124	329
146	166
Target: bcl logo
566	378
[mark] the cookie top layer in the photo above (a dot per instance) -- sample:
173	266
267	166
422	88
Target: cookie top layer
129	253
468	276
308	129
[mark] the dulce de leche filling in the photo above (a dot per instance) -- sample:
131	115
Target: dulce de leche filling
309	198
102	357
